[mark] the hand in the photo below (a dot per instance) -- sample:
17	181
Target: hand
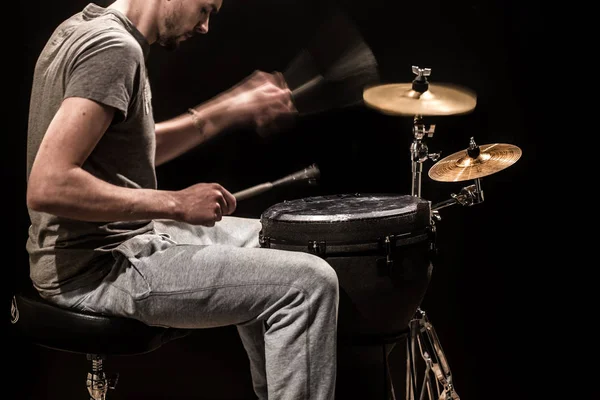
262	100
204	203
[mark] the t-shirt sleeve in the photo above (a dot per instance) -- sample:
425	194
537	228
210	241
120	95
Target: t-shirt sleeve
106	70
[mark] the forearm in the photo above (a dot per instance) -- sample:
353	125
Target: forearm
76	194
178	135
256	102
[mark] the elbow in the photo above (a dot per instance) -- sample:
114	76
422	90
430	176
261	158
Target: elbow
41	195
38	198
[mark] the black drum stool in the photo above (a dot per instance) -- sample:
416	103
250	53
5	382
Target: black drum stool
95	336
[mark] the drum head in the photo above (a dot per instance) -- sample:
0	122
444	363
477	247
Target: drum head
346	218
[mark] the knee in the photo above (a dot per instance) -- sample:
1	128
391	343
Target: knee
322	275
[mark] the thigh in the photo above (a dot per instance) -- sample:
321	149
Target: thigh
236	231
192	286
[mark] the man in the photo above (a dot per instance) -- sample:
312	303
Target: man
104	239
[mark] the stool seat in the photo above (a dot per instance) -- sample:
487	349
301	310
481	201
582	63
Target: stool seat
58	328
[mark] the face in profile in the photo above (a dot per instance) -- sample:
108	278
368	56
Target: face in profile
183	19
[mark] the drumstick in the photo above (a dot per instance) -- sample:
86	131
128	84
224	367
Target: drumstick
310	174
253	191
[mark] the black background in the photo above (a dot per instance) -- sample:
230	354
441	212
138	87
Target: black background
481	298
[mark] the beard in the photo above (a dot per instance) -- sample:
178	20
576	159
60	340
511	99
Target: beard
170	43
167	40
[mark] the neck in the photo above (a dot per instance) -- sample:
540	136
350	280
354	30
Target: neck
142	13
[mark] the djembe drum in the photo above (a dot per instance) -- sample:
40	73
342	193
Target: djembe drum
381	248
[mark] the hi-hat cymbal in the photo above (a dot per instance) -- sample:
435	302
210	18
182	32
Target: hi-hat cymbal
402	99
461	166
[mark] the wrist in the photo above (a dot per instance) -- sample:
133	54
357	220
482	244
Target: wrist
197	121
210	117
172	207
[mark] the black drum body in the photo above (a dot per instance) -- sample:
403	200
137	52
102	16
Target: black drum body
379	245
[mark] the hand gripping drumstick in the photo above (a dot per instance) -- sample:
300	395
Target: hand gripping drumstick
310	174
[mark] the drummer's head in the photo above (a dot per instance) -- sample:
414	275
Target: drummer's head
169	22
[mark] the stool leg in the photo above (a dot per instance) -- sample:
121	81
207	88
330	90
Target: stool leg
97	383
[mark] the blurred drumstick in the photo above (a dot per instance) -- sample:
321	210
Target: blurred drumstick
332	70
310	174
306	87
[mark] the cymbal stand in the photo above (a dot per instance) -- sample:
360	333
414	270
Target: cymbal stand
469	195
418	149
419	152
437	377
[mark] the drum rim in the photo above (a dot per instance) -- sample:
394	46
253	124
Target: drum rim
305	216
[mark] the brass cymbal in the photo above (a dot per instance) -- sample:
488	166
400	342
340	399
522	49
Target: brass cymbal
460	166
402	99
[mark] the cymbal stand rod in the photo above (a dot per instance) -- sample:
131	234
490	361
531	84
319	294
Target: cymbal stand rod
468	196
477	193
444	204
419	152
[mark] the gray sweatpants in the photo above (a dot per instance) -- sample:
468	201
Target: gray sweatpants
283	303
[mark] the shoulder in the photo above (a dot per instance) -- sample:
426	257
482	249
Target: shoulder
99	38
112	36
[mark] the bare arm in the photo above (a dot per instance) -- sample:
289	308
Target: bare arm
259	101
58	185
184	132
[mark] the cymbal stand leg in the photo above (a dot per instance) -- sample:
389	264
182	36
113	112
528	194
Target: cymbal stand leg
419	152
436	363
409	371
426	378
389	384
411	359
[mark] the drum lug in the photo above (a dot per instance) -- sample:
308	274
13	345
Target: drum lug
317	247
389	244
432	233
385	265
264	241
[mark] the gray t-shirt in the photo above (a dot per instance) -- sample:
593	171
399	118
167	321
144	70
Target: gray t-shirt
96	54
